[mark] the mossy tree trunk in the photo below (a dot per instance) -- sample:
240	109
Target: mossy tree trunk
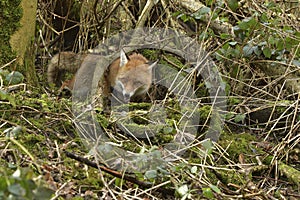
17	21
22	41
10	15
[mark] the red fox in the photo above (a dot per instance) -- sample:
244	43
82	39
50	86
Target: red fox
131	76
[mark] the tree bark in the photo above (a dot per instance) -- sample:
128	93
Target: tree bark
21	41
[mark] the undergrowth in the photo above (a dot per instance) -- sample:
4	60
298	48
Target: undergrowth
256	156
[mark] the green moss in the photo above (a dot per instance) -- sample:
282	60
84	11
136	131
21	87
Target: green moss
10	15
131	146
150	54
232	176
237	144
204	112
104	122
170	58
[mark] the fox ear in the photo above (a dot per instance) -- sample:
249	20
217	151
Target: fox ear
151	65
123	58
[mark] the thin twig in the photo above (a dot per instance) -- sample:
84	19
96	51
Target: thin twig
118	174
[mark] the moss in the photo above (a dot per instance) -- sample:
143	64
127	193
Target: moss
10	15
149	54
204	112
232	176
131	146
104	122
237	144
170	58
211	176
45	133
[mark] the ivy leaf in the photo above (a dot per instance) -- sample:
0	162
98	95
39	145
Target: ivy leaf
13	131
225	36
296	62
247	24
267	52
264	18
257	51
280	45
17	189
232	43
183	17
207	193
248	50
151	174
239	118
200	14
208	145
15	77
233	4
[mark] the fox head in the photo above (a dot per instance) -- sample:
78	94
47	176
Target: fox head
134	76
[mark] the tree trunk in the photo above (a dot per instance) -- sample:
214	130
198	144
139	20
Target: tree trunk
21	41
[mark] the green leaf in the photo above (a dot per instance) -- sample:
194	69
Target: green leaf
118	182
184	17
13	131
3	183
177	13
203	35
239	118
209	2
207	193
232	43
215	188
267	52
271	5
262	44
204	10
208	145
257	51
296	62
233	4
15	77
151	174
291	43
280	45
248	50
272	40
248	23
43	193
264	18
182	190
225	36
201	13
17	189
235	52
229	116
